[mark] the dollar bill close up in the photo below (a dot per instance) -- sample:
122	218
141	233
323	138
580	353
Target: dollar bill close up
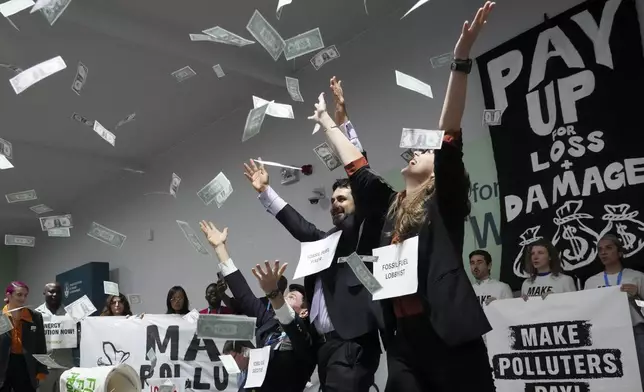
327	156
104	133
80	308
324	56
174	184
183	74
218	71
421	139
302	44
441	60
40	209
293	88
254	122
80	78
56	221
266	35
35	74
59	232
106	236
278	110
224	36
226	327
363	274
209	192
492	117
54	9
19	240
6	149
192	237
21	196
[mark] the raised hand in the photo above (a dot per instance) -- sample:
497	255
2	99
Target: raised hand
257	175
215	237
320	109
268	278
338	96
471	31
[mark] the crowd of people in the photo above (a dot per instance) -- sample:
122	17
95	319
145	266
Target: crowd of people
431	337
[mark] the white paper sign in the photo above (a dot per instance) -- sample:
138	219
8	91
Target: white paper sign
396	269
316	256
257	365
60	332
579	341
156	384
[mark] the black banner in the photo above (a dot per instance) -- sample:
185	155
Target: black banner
569	150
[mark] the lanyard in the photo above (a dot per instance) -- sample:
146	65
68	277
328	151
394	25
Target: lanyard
619	278
268	306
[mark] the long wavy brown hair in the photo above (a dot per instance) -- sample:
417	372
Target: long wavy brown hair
553	254
107	310
408	211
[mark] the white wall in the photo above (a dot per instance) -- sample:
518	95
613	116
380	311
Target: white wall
379	110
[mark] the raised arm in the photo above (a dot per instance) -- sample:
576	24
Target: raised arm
341	115
301	229
248	303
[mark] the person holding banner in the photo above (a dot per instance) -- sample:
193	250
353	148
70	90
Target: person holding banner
342	313
116	305
611	254
283	328
543	264
177	301
433	320
19	371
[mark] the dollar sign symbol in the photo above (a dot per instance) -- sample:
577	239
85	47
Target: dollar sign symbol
578	245
628	239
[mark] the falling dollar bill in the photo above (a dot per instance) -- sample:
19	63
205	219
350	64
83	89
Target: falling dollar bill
59	232
104	133
304	43
174	184
80	308
492	117
50	222
12	7
363	274
111	288
54	9
227	327
421	139
83	120
48	361
40	209
279	110
134	299
293	88
106	236
254	122
19	240
218	71
324	56
365	259
266	35
441	60
129	118
183	74
80	78
327	156
6	149
413	84
192	238
35	74
224	36
218	189
407	155
21	196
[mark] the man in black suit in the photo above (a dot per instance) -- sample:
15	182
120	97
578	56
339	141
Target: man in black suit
342	311
283	326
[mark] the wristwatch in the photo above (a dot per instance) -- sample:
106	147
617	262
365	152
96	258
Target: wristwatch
273	294
464	66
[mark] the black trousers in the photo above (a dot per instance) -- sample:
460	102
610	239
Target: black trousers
17	377
347	365
419	361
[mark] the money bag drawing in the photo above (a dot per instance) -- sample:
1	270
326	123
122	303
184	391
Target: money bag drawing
576	241
113	357
621	222
527	238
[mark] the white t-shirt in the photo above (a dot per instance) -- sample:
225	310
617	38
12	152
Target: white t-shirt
548	284
629	276
491	288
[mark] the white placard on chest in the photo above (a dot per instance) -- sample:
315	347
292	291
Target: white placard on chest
397	269
257	365
316	256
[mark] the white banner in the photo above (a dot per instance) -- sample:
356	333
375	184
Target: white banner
60	332
108	341
580	342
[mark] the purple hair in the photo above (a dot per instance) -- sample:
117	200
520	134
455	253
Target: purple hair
14	285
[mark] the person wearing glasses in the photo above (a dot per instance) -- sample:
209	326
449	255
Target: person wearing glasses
177	301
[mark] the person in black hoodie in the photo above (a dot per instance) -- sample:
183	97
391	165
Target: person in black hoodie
283	326
435	333
345	319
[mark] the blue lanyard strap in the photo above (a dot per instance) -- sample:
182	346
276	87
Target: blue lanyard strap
619	278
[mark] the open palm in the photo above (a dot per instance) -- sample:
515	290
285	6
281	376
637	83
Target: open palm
257	175
471	31
215	237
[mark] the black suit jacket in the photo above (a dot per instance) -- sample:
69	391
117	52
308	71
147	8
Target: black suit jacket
288	371
33	342
349	303
446	291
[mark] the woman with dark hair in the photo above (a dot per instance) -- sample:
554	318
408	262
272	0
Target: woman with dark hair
177	301
19	371
543	264
611	254
434	332
117	305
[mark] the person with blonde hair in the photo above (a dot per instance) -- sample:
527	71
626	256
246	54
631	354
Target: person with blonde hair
434	333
